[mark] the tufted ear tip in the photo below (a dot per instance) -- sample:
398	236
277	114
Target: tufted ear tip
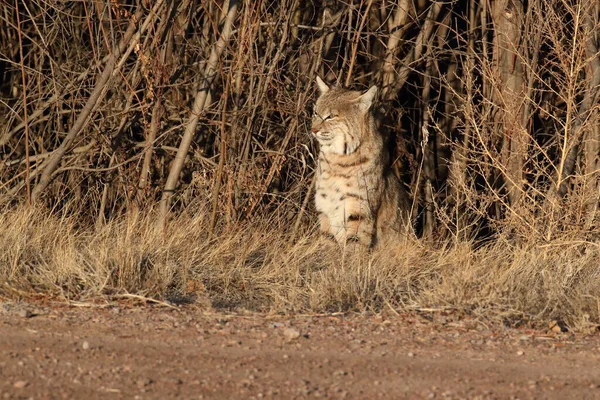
323	87
365	101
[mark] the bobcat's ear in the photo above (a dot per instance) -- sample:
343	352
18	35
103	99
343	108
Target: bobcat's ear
366	100
323	88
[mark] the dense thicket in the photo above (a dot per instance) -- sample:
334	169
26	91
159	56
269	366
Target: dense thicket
491	106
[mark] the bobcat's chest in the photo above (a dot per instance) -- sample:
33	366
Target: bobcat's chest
340	192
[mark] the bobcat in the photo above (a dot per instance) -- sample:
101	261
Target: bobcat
358	197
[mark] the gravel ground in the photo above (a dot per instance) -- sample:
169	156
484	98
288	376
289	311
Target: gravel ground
123	351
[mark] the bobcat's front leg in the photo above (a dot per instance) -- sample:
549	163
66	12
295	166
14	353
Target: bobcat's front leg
359	228
325	225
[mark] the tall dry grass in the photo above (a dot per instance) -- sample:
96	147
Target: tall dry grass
260	267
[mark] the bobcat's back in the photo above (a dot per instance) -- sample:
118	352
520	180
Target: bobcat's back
357	196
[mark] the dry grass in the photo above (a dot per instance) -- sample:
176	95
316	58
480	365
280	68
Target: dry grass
258	267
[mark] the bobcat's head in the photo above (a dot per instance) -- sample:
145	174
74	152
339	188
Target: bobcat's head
339	118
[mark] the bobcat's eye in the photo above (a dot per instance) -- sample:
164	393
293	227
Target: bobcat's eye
324	117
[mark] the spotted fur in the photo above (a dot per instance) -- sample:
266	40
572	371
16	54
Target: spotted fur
357	197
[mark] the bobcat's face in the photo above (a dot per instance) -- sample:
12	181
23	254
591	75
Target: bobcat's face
338	118
330	129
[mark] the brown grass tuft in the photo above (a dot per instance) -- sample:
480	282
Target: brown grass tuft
260	268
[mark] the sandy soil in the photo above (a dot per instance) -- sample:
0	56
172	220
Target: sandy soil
126	352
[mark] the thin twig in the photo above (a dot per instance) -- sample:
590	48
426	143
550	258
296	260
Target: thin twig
25	112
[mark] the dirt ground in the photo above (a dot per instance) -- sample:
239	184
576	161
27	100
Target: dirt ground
131	352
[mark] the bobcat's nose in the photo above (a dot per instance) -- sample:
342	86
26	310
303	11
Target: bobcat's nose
314	130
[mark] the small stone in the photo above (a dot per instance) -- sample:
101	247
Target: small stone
411	354
291	333
85	345
141	383
24	313
557	327
20	384
520	352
